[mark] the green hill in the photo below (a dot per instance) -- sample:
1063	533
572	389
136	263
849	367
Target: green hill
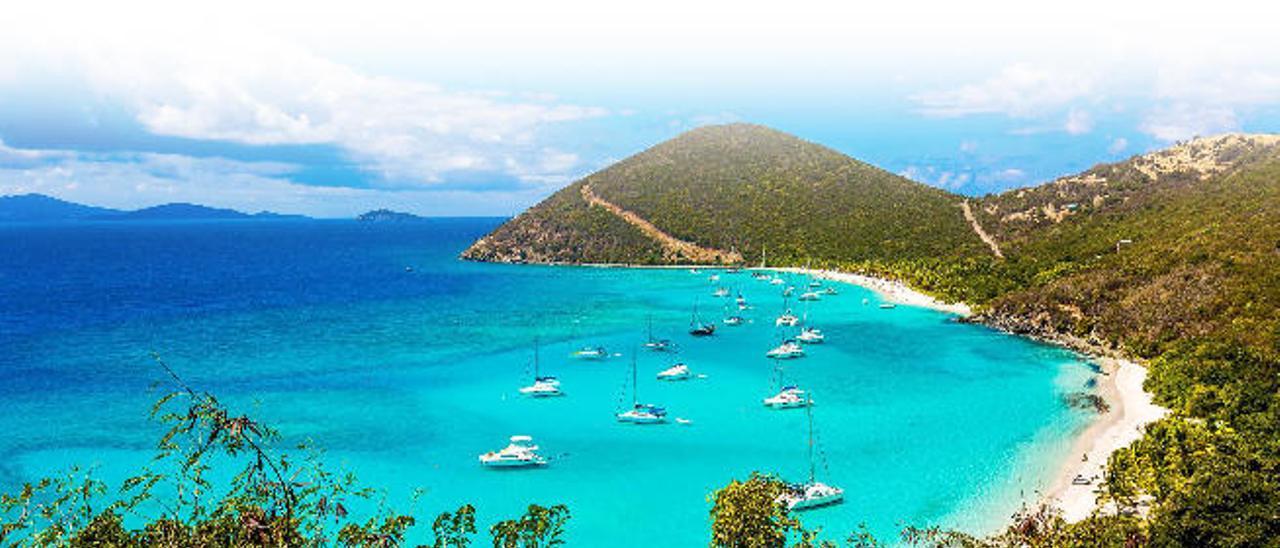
741	189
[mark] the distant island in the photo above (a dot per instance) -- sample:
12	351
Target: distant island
386	215
42	208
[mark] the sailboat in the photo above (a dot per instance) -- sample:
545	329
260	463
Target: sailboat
787	319
656	345
641	413
810	334
591	353
677	372
542	387
699	329
813	493
789	396
788	350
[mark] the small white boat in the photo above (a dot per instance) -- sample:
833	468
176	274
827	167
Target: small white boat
811	335
655	344
640	413
789	291
814	284
734	320
543	386
677	372
742	301
683	421
888	306
806	496
777	281
830	291
714	277
591	353
721	292
787	319
520	453
643	413
790	397
810	296
786	351
760	276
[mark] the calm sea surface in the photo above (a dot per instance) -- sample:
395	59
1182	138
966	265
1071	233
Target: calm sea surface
404	376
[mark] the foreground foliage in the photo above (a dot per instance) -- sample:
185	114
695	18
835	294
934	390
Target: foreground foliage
217	480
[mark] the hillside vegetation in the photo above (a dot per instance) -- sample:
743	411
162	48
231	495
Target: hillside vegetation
742	188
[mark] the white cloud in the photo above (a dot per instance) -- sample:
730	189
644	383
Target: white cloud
258	91
1017	90
1079	122
1118	145
1009	175
933	176
1185	120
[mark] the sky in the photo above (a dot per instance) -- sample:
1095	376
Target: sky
484	108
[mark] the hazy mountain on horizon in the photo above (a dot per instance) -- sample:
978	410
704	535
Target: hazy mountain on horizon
35	207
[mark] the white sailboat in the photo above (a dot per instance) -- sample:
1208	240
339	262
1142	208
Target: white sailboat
811	335
655	344
789	397
641	413
810	296
519	453
542	387
813	493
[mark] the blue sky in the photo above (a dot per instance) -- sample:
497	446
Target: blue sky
484	108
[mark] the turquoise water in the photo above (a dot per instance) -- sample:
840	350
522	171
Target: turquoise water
405	376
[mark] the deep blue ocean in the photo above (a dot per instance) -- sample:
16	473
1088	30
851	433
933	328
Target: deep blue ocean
375	342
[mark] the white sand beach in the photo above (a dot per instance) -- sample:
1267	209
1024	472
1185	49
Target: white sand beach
892	291
1131	410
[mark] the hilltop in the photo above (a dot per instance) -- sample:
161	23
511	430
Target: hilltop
735	193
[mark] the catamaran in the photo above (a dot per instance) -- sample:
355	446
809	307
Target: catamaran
810	296
786	351
654	344
641	413
789	397
721	292
520	453
542	387
813	493
811	335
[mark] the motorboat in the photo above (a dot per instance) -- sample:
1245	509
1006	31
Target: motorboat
734	320
777	281
830	290
811	335
677	372
591	353
888	306
810	296
786	351
721	292
519	453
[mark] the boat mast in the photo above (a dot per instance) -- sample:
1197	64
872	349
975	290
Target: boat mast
635	388
809	411
535	360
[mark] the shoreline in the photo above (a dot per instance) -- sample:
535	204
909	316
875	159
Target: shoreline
1131	407
890	290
